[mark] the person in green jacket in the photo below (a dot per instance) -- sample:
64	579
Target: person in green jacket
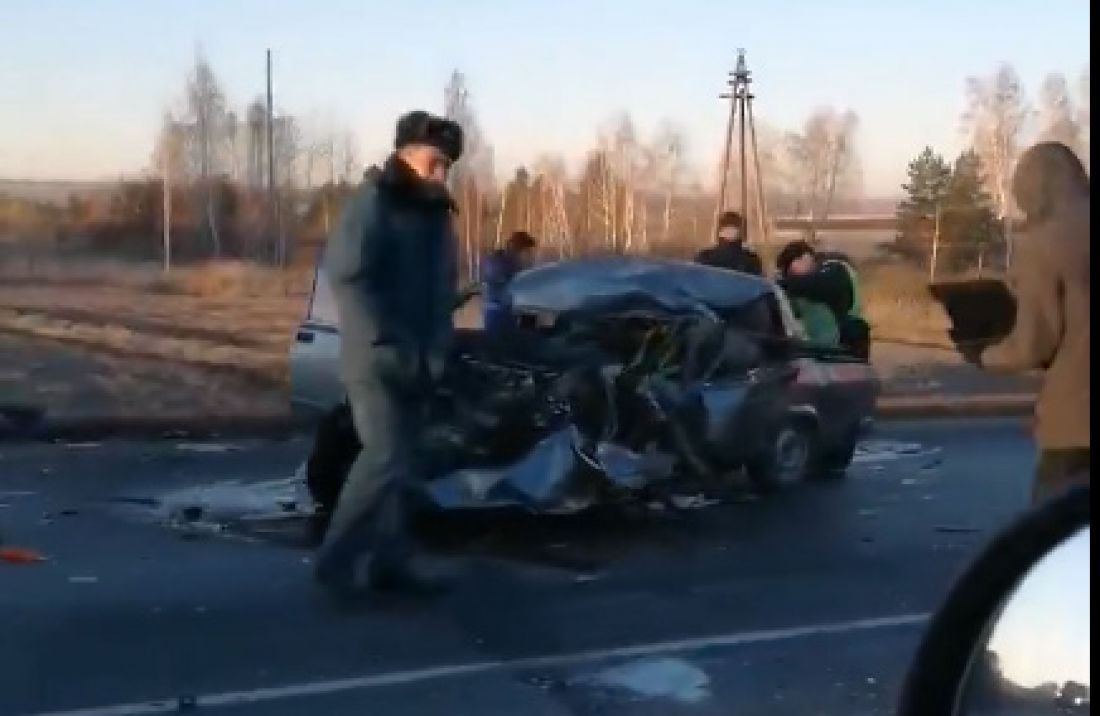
824	293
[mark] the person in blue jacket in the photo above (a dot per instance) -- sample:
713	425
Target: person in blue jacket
392	261
500	267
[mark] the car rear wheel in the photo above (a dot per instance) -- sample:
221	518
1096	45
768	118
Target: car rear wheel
789	458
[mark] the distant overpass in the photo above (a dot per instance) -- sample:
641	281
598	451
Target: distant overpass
851	222
839	222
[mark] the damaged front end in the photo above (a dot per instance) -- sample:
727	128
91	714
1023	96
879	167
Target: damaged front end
629	379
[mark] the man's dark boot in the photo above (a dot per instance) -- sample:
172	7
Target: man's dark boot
406	576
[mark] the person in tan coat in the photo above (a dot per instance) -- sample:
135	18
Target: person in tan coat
1050	280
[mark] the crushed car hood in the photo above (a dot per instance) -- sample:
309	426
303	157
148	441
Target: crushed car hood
625	283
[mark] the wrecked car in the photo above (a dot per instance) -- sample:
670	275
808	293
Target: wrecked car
628	378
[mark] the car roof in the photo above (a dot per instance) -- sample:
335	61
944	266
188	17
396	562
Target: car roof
613	283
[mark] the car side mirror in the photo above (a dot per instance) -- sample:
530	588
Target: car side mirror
1013	635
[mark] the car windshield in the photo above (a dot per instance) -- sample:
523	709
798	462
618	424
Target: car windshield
526	358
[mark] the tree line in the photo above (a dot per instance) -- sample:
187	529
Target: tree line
965	210
241	186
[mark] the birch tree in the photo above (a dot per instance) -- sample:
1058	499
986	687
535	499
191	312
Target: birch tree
1058	120
823	160
994	120
554	231
471	178
206	108
668	154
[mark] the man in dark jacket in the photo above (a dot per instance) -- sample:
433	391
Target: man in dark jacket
730	251
392	264
1050	279
500	268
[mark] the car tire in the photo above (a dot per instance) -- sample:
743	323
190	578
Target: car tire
790	457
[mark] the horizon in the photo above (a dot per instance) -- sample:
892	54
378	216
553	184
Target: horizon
89	111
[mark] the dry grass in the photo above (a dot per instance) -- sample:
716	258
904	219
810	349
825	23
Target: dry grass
215	279
241	317
265	366
232	279
899	308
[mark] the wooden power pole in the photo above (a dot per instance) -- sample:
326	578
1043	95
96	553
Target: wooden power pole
741	119
272	189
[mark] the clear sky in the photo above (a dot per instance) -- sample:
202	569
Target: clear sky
1044	632
83	84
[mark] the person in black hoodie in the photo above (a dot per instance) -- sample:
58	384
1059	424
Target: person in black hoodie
730	251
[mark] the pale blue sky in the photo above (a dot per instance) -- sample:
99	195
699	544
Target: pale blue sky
1044	632
83	83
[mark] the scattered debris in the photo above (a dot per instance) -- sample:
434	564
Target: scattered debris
84	580
78	446
191	513
908	481
877	451
586	578
691	502
669	678
868	513
20	555
206	448
956	529
541	682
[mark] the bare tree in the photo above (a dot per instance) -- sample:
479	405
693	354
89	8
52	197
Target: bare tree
668	155
1058	121
349	164
994	120
824	161
206	107
550	184
288	151
256	143
472	177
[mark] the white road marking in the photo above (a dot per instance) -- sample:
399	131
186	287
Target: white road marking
394	678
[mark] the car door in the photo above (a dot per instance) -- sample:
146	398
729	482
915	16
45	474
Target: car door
315	355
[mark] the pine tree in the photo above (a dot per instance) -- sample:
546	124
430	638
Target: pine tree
969	225
928	186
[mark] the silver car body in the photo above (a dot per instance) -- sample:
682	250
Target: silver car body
315	385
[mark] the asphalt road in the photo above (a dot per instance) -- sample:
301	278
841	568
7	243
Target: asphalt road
807	602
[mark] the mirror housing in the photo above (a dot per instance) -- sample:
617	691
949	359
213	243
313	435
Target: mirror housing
938	679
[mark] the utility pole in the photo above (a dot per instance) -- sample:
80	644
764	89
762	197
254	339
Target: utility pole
166	190
741	118
935	245
272	195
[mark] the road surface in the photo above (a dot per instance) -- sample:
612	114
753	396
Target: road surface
807	602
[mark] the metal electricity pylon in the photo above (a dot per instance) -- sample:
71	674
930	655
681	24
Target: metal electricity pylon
741	120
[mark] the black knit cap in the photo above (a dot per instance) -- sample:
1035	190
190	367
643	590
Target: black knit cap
791	253
421	127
